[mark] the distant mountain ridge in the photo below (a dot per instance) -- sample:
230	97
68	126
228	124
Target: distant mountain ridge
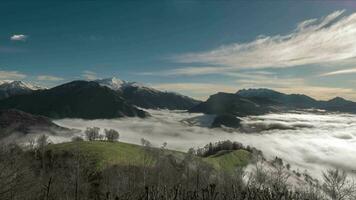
10	88
104	98
16	121
147	97
300	100
262	101
294	100
76	99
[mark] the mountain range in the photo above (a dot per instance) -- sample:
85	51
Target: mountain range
147	97
295	101
77	99
113	98
229	106
99	99
11	88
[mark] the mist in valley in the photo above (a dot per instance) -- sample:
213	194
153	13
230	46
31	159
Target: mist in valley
308	141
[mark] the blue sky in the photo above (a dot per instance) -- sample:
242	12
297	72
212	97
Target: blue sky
193	47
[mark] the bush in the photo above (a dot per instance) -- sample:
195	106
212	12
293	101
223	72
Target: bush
227	145
77	139
111	135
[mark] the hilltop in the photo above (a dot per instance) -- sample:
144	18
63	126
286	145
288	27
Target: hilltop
106	154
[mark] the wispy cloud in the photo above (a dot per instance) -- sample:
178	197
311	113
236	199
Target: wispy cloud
8	75
89	75
189	71
19	37
49	78
338	72
314	41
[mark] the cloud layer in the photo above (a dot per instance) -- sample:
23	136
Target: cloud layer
8	75
339	72
48	78
314	41
89	75
310	141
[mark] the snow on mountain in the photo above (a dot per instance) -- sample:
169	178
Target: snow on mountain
118	85
112	83
147	97
13	85
10	88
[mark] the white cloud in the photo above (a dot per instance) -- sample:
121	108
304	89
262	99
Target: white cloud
19	37
48	78
327	140
314	41
89	75
7	75
189	71
338	72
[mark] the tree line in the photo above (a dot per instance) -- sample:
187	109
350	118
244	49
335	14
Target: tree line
93	133
39	173
226	145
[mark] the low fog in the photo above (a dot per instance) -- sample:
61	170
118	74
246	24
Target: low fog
308	141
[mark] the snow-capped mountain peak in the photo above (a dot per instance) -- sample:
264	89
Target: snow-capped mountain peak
10	88
117	84
17	85
112	83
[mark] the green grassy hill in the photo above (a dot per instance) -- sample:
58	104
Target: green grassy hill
119	153
229	160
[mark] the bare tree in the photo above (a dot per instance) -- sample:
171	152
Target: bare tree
111	135
337	185
42	141
147	159
17	181
92	133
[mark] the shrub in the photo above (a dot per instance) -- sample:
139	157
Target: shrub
77	139
111	135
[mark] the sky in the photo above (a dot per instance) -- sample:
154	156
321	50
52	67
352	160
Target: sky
196	48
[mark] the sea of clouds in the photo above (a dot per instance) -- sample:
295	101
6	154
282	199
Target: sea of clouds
308	141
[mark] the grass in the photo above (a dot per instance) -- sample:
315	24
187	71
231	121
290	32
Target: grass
119	153
106	153
229	160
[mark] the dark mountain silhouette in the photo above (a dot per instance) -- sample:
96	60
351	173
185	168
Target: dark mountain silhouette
262	101
157	99
336	104
226	103
290	100
339	104
226	120
13	120
77	99
146	97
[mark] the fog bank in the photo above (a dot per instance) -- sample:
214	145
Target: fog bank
305	140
